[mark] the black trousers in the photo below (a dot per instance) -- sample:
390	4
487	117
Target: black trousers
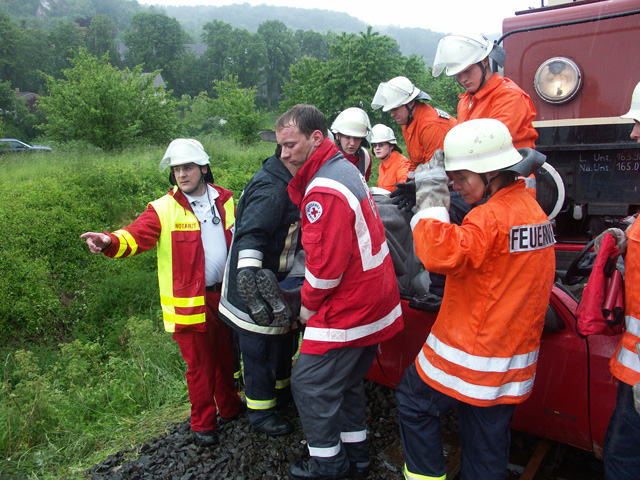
329	392
485	436
267	372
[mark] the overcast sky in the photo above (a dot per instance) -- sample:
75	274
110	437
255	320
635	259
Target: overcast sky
437	15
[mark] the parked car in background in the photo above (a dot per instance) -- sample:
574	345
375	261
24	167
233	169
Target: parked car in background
14	145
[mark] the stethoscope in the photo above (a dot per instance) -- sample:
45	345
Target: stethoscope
216	218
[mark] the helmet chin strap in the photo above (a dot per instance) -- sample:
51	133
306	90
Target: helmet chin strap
483	81
487	183
410	112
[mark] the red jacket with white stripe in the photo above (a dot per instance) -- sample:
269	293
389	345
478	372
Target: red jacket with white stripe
349	278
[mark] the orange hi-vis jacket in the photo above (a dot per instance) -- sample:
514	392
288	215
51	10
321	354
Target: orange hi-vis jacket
426	132
393	170
500	265
625	364
502	99
170	223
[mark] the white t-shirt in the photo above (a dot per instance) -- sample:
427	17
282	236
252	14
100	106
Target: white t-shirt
213	241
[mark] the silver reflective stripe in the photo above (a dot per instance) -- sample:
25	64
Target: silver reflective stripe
260	404
437	213
471	390
289	251
321	283
369	260
244	322
280	384
481	364
632	324
326	452
351	334
250	258
353	437
629	359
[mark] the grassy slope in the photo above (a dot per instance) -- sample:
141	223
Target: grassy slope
88	369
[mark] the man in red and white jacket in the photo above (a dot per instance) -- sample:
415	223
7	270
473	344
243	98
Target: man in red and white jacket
192	226
350	299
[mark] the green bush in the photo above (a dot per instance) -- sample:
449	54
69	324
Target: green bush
57	415
107	107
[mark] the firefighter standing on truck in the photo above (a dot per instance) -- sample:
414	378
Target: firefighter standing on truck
480	356
350	299
622	440
488	94
192	227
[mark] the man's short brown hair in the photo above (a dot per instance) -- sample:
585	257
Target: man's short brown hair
307	118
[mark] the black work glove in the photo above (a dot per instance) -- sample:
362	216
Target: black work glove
404	196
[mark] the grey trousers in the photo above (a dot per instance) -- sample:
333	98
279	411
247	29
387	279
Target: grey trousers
329	392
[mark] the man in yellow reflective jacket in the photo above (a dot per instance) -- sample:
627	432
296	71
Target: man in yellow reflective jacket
192	227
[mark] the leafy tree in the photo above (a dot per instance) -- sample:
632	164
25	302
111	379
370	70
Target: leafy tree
234	52
249	57
350	79
281	50
217	36
101	38
191	75
314	44
34	56
156	41
10	39
197	114
237	107
64	40
104	106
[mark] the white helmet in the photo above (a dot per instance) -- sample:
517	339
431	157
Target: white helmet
457	52
634	110
381	133
182	151
353	122
397	91
481	145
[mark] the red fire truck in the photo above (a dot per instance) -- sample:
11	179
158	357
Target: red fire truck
578	63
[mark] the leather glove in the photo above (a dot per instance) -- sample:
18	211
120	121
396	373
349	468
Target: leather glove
404	196
432	183
619	235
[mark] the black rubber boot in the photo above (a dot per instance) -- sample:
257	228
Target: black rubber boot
285	304
250	295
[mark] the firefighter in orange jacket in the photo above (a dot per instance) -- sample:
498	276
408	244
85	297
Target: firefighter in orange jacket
480	356
423	126
192	227
488	95
394	167
622	440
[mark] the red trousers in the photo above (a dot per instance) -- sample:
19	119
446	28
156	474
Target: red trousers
209	357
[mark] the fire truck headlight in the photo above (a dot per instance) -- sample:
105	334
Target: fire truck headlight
558	80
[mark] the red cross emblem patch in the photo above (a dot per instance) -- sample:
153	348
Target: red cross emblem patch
313	210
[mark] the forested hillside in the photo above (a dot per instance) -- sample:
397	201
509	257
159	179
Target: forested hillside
266	59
